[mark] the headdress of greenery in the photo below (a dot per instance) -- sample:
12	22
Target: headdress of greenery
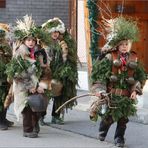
123	29
27	28
53	25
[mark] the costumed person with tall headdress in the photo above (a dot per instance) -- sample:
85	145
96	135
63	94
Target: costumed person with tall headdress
118	77
45	78
5	57
62	55
25	70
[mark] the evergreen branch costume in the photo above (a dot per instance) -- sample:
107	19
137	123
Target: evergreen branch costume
63	62
117	76
102	75
66	71
24	68
5	57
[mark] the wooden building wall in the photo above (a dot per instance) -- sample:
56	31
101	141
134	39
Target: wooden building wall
73	18
134	8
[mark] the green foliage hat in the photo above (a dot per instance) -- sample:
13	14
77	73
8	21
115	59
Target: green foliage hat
27	28
53	25
120	29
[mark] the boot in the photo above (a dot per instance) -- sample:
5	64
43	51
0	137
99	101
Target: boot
3	125
9	123
53	120
36	129
56	120
59	121
119	142
6	121
30	135
120	132
41	121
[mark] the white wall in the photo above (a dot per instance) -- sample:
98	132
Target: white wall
143	100
82	74
83	80
81	32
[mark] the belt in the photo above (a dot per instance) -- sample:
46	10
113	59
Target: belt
120	92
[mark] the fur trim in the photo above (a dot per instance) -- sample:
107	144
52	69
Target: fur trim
22	51
26	25
60	27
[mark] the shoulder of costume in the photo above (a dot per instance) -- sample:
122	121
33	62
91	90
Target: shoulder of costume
108	53
22	51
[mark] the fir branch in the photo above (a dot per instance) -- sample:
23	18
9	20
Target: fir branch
93	15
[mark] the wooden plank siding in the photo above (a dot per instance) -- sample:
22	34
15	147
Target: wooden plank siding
73	18
88	35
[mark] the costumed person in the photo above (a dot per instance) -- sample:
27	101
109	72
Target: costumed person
26	72
117	79
5	57
45	78
62	55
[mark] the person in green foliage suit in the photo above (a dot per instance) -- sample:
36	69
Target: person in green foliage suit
62	55
5	57
25	71
120	77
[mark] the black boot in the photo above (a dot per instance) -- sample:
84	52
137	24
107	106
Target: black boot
9	123
3	125
120	131
57	120
30	134
36	129
41	121
119	142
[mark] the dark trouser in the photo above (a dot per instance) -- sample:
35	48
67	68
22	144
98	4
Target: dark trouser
3	115
120	129
57	102
30	119
3	92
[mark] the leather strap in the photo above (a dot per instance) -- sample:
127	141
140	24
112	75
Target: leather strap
120	92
